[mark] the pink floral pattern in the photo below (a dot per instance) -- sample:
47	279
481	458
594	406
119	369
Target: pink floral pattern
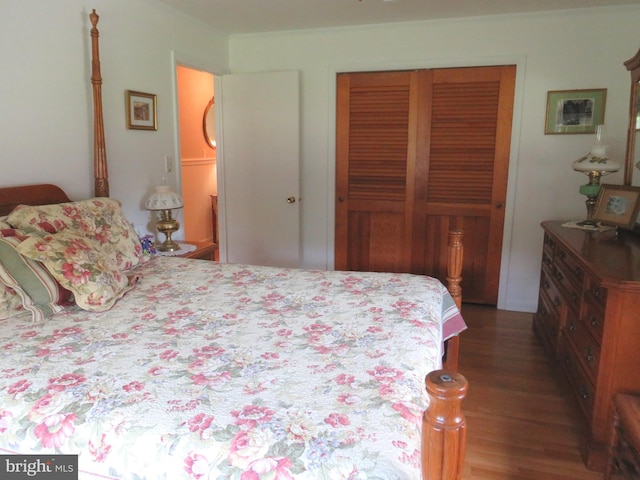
213	371
100	219
81	265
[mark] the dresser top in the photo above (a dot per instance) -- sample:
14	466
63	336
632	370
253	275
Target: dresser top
613	256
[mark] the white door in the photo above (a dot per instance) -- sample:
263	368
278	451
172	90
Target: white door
258	169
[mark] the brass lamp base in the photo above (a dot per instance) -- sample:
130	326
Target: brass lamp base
167	225
591	190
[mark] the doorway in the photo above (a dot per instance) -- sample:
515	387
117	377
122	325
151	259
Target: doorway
197	161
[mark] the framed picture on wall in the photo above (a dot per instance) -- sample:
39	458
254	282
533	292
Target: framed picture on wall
575	111
141	111
618	205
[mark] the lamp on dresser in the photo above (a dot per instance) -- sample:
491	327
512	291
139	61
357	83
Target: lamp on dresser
164	200
594	164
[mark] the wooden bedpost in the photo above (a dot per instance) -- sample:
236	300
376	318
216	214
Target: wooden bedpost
454	277
444	428
100	173
454	265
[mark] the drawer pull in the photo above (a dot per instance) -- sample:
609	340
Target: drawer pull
571	327
574	296
578	272
561	255
595	322
597	292
584	394
558	275
588	354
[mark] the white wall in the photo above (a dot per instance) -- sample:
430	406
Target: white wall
559	51
46	95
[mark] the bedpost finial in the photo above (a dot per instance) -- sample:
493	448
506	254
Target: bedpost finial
94	17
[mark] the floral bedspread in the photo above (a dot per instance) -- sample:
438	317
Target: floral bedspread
214	371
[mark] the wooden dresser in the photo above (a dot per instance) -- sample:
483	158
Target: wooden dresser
588	318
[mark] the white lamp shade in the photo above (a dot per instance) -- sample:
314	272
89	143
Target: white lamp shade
163	198
596	161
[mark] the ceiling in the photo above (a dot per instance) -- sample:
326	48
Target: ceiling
254	16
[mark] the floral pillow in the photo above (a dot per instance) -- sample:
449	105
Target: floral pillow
10	302
100	219
38	290
83	265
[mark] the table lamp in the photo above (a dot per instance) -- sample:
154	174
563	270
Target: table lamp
594	164
163	199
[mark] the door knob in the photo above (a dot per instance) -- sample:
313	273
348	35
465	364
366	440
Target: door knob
291	200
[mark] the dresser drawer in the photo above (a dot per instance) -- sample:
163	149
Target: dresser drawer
547	258
581	386
585	349
549	244
550	289
596	294
567	284
593	320
571	267
547	323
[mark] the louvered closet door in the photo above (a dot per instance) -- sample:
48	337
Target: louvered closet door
463	183
375	144
419	153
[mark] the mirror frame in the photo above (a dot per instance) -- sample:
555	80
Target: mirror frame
209	127
633	65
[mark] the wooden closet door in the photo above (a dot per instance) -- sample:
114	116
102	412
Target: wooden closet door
376	154
462	174
419	153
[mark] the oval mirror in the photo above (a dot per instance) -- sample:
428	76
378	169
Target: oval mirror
209	124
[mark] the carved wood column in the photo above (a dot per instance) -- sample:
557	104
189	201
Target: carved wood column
444	427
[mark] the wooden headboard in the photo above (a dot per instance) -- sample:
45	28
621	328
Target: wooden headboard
43	194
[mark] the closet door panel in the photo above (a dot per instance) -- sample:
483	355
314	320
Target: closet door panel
375	150
468	159
379	252
434	248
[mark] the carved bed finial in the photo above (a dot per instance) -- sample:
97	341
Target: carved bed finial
444	427
100	170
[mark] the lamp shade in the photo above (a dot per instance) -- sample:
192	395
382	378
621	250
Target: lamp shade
596	161
163	198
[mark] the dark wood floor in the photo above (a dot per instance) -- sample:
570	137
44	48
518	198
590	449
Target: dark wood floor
521	424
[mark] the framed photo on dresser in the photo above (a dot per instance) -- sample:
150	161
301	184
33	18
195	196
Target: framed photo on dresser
618	205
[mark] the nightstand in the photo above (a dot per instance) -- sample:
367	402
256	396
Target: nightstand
203	251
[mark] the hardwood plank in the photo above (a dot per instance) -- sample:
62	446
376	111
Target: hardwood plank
521	423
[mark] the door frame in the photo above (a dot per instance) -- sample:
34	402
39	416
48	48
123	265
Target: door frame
204	65
518	60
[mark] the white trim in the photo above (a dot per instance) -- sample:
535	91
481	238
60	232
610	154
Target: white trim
195	162
431	63
196	63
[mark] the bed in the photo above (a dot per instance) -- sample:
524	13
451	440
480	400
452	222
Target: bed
166	367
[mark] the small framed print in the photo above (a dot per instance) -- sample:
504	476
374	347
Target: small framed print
618	205
141	111
575	111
